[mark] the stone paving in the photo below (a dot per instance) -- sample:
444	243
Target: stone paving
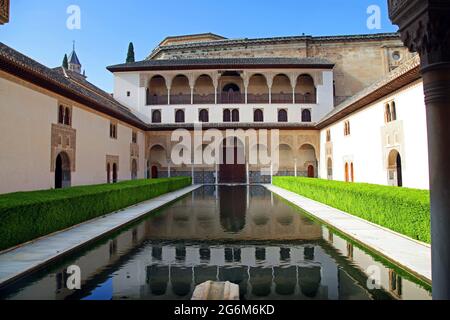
412	255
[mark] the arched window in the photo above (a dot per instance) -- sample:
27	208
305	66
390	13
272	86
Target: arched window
258	116
156	116
330	169
328	135
387	113
203	115
235	115
346	128
67	117
306	115
61	115
226	115
393	111
179	116
282	115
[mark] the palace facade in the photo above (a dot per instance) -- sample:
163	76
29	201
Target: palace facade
347	108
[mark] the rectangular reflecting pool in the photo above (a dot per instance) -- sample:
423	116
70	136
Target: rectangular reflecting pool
242	234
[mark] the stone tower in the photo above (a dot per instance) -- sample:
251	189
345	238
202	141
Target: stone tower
74	62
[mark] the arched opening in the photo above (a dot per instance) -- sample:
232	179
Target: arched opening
62	171
308	160
226	115
281	89
306	115
232	85
305	90
154	172
395	169
108	173
232	161
179	116
311	173
61	115
286	158
352	172
387	113
330	169
158	157
134	169
157	91
347	178
67	117
258	90
393	111
203	115
282	115
258	115
115	173
204	91
180	92
156	116
235	115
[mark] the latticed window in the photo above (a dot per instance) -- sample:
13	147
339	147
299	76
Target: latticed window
156	116
203	115
306	115
179	116
282	115
113	130
258	115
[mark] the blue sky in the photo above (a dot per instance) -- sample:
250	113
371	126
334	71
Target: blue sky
38	28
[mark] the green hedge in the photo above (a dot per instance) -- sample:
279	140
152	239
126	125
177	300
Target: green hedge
406	211
25	216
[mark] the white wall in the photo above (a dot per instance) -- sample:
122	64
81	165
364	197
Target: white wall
365	147
124	82
25	142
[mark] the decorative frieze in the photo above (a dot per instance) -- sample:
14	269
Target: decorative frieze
63	139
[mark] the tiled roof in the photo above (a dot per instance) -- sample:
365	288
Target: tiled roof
280	40
69	84
223	63
396	79
73	58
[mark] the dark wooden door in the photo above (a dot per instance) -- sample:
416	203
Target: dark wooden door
232	171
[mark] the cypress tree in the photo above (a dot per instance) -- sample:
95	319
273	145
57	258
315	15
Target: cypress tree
65	63
130	55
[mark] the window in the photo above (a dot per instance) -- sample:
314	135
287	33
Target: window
156	116
203	115
328	135
282	115
226	115
306	115
64	115
113	130
179	116
346	128
235	115
258	115
134	137
128	94
390	112
393	111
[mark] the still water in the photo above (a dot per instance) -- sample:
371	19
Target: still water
241	234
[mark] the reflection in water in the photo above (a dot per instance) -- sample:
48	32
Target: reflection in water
271	250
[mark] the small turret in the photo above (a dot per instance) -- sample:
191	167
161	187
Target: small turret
74	62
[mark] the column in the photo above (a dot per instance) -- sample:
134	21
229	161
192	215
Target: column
293	78
269	78
192	78
427	33
168	86
215	79
246	80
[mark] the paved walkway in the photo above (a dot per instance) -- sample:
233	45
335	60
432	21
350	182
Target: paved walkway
21	260
409	254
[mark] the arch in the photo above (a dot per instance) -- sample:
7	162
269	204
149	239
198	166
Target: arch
257	90
204	90
62	171
307	153
61	115
281	89
108	172
395	168
305	89
231	92
134	169
311	173
67	117
282	115
306	115
179	116
286	157
157	91
235	115
156	116
180	91
258	115
203	115
330	169
158	155
114	173
226	115
231	87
